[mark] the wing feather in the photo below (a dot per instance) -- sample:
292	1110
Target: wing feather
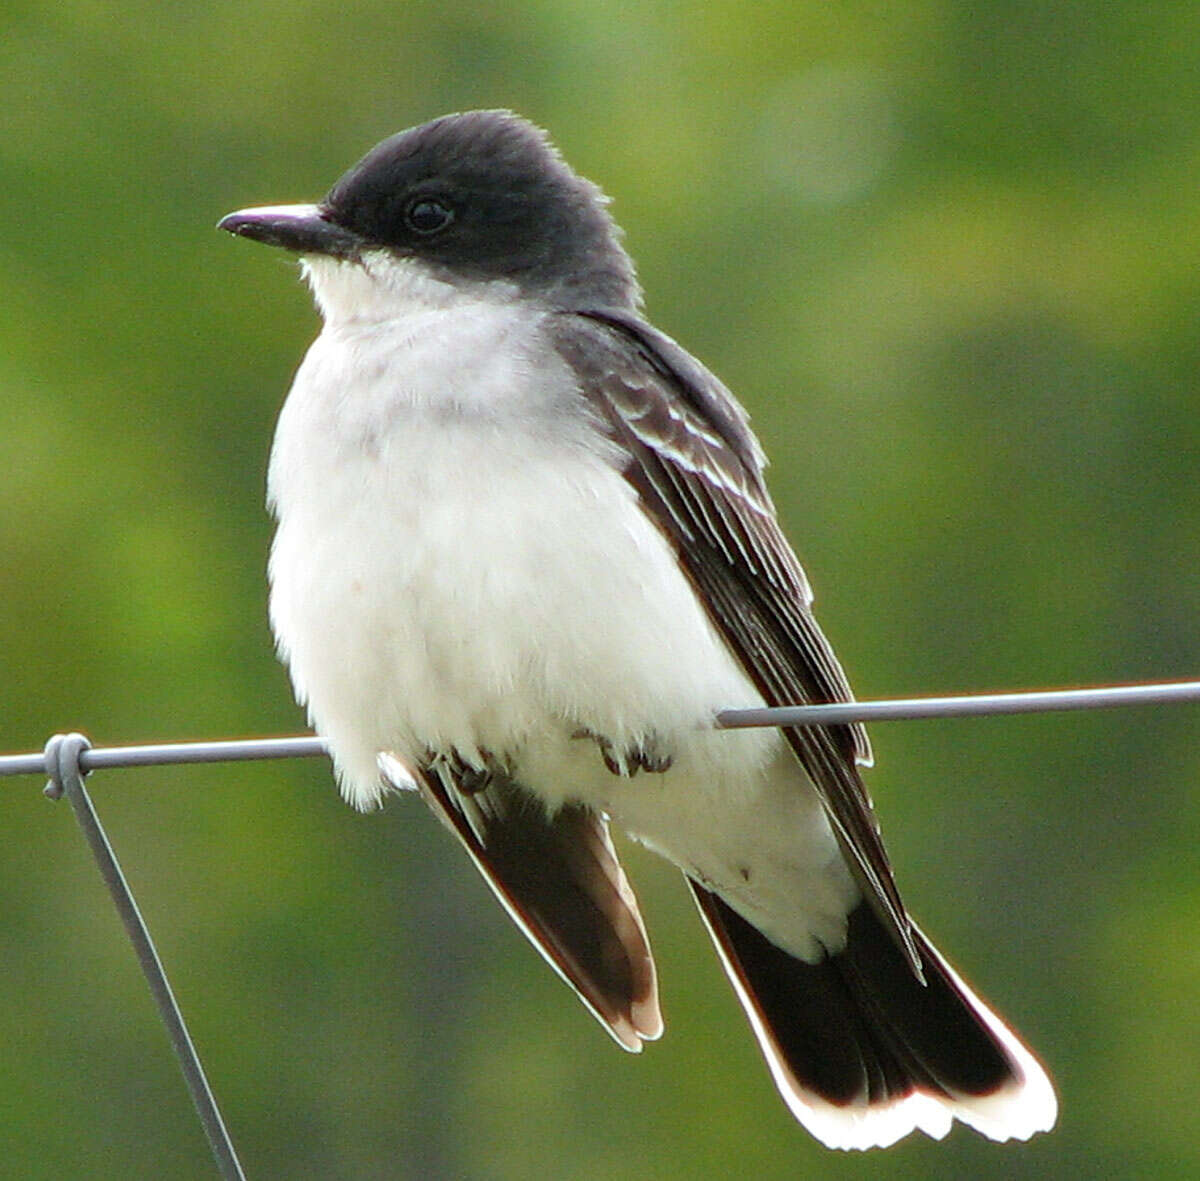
559	878
699	472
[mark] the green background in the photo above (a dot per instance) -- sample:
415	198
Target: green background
946	254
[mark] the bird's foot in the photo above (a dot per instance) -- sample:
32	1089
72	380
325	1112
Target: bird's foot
646	756
471	776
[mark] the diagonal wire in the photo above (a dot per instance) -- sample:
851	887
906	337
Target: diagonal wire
62	762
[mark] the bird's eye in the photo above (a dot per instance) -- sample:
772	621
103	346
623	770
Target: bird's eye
427	216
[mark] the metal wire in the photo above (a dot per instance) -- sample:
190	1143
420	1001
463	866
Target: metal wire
972	705
67	758
161	754
62	760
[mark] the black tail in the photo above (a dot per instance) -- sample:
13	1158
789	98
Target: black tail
863	1052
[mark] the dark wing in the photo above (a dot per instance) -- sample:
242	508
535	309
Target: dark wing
698	470
559	878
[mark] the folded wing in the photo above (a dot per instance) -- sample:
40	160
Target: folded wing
559	878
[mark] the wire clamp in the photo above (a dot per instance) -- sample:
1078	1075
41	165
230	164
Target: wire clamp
62	755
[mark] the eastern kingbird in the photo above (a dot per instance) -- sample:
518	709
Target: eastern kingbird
524	555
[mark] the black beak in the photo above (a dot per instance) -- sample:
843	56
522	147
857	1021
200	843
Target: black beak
300	228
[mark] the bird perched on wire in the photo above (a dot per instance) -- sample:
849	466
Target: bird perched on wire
525	553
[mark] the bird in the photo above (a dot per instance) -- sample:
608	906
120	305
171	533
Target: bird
524	554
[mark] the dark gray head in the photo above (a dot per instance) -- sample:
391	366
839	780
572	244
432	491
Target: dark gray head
481	195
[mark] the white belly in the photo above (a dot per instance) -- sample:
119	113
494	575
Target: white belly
441	580
468	599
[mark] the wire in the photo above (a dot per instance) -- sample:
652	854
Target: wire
62	758
840	713
972	705
67	758
162	754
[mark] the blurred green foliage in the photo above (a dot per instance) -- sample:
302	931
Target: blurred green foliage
946	253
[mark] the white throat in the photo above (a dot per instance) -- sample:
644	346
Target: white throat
380	287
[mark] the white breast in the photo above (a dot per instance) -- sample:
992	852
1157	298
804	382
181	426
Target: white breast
459	564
